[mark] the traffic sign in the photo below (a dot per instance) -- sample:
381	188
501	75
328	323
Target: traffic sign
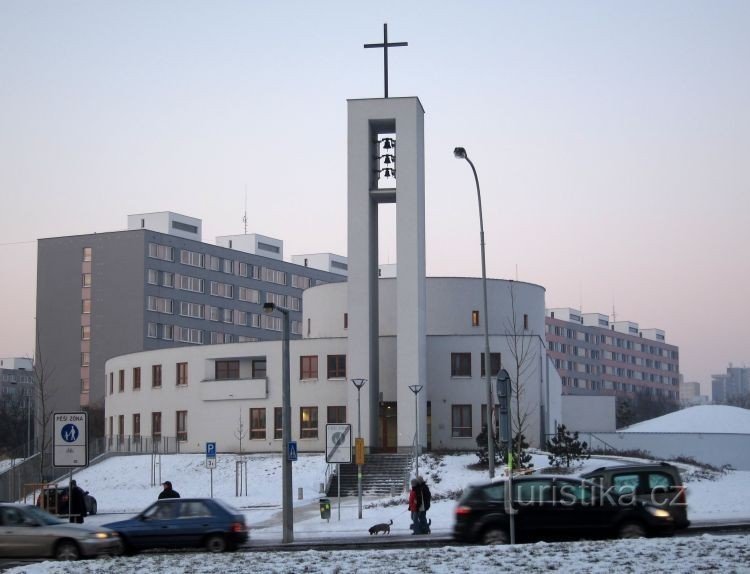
359	450
70	440
211	462
210	450
291	451
339	443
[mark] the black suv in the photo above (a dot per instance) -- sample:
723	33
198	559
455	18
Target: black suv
658	484
554	508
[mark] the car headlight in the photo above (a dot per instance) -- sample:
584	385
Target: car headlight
658	512
103	535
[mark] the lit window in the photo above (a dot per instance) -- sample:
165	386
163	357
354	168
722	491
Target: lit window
475	318
308	422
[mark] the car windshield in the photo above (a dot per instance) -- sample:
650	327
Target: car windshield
42	516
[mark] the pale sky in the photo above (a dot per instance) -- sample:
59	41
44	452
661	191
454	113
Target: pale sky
611	140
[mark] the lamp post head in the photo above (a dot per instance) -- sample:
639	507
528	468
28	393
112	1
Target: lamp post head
268	307
359	383
460	153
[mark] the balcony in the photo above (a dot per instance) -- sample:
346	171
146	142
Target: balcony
233	389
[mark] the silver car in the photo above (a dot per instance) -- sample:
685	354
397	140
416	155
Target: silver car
28	531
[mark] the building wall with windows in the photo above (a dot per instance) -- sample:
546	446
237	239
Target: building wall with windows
108	294
241	382
732	385
611	358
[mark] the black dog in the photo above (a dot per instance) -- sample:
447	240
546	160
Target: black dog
382	527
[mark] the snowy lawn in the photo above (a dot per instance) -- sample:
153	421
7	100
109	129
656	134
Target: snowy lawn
122	486
706	553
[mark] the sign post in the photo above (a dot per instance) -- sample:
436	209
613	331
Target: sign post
339	449
211	462
70	445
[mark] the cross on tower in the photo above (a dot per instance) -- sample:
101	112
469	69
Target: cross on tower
385	45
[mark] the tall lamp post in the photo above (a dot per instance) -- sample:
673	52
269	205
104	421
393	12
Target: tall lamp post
415	389
286	428
359	383
460	153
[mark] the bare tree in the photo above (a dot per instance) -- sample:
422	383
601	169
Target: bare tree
522	351
43	395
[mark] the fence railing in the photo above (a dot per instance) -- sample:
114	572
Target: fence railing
137	444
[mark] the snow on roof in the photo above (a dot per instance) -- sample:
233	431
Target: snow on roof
699	419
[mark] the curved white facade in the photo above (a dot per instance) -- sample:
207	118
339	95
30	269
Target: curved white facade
215	405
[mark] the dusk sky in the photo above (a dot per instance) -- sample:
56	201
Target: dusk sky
611	139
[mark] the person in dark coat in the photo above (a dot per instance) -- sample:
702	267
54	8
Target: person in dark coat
77	503
414	506
424	498
168	492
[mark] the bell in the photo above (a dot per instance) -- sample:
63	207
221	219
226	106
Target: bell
387	144
387	159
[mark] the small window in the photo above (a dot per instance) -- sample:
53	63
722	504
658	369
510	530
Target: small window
461	421
308	422
156	426
86	279
259	368
121	381
475	318
136	378
182	374
277	422
258	423
86	306
308	367
336	415
85	333
494	364
460	364
225	370
121	426
136	426
181	425
87	253
625	483
111	384
525	322
346	320
156	375
336	366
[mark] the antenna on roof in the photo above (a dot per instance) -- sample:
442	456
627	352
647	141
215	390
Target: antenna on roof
244	217
516	271
614	313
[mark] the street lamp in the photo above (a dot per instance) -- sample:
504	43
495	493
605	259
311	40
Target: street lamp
359	383
286	427
415	389
460	153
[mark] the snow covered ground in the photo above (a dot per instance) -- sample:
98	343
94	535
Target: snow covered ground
684	555
699	419
122	486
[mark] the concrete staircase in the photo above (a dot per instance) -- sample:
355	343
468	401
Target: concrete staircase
382	474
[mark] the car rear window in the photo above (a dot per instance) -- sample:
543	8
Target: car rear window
659	480
625	483
494	493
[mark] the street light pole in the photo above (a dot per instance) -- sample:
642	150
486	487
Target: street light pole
415	389
286	428
460	153
359	383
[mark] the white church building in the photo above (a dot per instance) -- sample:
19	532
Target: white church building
395	332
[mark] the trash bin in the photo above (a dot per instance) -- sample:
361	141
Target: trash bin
325	508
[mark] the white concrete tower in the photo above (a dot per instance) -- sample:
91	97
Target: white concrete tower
386	134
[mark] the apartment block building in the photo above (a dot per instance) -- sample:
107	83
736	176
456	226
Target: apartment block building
153	286
732	385
595	355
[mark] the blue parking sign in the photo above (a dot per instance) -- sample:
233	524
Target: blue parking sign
210	450
291	451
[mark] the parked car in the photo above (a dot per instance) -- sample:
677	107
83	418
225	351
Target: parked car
551	508
54	499
28	531
183	523
659	484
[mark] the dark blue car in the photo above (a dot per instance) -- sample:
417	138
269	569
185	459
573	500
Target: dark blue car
183	523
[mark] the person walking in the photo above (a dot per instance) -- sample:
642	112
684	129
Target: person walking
77	503
414	506
168	492
424	497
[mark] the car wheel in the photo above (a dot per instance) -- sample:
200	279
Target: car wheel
631	530
67	550
495	536
216	543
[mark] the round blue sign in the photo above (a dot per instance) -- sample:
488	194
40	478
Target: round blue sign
69	432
